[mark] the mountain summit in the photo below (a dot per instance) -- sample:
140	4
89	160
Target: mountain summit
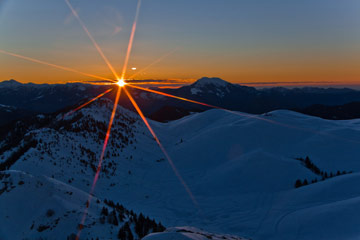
205	81
210	86
10	83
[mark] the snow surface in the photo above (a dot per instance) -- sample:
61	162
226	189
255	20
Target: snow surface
240	169
188	233
195	91
7	108
28	200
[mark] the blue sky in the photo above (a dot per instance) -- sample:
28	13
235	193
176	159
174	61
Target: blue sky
238	40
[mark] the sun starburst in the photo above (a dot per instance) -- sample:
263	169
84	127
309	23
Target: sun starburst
121	84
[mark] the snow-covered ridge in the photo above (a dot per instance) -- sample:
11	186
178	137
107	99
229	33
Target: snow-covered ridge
39	207
241	168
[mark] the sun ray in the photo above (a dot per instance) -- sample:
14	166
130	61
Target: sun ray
197	102
172	96
53	65
244	114
131	40
96	45
98	169
87	103
153	63
162	148
96	82
203	104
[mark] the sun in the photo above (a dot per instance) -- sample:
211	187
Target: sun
121	82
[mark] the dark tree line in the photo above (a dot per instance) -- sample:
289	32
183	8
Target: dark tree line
142	225
29	143
322	174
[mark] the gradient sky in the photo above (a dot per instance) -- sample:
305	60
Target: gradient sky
242	41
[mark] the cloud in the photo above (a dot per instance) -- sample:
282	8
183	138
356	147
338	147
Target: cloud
114	20
69	18
117	29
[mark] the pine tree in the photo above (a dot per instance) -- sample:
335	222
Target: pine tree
104	211
298	183
122	234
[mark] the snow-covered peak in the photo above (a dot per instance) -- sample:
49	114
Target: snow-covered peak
210	85
205	81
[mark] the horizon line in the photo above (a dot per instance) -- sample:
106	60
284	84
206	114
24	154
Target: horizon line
177	83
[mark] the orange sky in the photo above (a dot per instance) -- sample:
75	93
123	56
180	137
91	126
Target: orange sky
269	69
256	44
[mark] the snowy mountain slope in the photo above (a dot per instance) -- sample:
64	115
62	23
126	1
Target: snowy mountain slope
241	170
250	164
38	207
186	233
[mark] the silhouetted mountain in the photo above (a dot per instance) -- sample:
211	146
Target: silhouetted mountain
30	99
220	93
45	98
248	99
340	112
19	100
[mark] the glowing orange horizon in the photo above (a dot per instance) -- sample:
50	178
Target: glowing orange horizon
169	87
300	84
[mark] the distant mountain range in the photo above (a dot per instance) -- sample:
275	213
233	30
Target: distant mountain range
339	112
19	100
220	93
